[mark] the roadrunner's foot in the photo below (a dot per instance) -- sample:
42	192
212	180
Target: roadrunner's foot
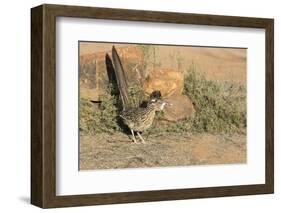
142	140
134	138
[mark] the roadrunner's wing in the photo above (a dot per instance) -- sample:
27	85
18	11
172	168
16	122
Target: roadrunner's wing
121	79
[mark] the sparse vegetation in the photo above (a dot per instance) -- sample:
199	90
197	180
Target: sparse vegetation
220	108
136	94
98	118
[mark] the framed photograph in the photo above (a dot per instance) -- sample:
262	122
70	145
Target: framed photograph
137	106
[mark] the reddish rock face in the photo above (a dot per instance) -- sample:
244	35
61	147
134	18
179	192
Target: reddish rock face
93	67
94	73
169	82
179	108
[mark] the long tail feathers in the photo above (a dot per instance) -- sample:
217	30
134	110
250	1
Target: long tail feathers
121	79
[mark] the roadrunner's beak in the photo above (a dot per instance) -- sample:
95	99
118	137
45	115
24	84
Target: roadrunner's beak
168	105
162	105
165	104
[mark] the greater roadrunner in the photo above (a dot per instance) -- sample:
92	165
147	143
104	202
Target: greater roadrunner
141	118
138	119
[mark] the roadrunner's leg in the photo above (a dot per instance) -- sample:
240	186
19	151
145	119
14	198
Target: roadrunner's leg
134	139
142	140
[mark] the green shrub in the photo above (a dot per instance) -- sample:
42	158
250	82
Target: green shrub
99	118
220	106
136	94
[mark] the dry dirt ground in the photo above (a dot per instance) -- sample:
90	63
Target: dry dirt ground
105	151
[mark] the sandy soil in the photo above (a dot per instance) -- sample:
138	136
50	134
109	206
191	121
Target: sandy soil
104	151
